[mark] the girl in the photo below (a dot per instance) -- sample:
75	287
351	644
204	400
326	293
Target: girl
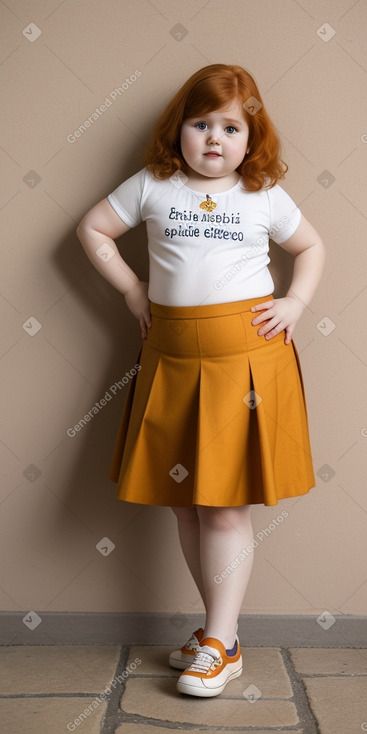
215	419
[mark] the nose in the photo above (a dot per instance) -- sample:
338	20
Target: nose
214	137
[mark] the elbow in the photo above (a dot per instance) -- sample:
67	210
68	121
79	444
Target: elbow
78	229
82	233
319	245
321	253
322	249
81	229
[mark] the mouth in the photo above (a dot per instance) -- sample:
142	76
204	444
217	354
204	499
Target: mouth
212	154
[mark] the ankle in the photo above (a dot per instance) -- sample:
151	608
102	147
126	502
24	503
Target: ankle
227	638
228	641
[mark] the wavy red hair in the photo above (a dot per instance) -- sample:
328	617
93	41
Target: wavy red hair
209	89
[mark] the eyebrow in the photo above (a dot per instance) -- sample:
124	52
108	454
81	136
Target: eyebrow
230	120
233	120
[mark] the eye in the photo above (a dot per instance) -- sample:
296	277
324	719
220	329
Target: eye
201	125
231	129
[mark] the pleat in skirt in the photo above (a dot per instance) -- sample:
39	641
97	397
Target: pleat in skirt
216	415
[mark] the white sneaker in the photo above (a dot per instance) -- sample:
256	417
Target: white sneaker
211	669
185	656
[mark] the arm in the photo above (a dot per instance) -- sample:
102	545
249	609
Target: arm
283	313
96	232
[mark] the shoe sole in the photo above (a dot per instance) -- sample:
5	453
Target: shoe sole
206	692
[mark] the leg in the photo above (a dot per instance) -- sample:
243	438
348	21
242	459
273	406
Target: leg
224	532
189	535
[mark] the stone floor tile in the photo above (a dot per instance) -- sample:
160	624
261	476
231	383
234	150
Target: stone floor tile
131	728
154	660
330	661
166	704
262	667
50	715
338	704
57	669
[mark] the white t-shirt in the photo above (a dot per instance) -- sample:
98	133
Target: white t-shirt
197	257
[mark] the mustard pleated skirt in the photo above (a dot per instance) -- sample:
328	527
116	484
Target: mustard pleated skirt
215	416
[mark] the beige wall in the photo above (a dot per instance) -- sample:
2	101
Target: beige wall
56	500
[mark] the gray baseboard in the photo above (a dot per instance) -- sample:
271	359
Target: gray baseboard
254	630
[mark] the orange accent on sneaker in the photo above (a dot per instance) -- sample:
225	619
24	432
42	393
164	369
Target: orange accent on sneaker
218	664
210	670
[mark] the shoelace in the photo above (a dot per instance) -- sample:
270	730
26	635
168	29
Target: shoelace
203	662
192	643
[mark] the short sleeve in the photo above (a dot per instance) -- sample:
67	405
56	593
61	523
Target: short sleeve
126	199
285	215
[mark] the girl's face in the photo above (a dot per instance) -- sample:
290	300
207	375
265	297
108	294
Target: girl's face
215	144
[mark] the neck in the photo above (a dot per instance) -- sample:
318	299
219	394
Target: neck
211	185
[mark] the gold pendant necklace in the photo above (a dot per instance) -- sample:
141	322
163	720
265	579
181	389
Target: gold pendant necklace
208	205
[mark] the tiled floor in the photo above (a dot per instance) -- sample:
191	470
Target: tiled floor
131	690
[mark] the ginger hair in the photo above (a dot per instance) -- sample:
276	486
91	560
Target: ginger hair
212	88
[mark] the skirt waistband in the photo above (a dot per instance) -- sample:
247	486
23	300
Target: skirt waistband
212	309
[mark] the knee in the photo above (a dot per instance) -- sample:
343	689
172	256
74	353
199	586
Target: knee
224	518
